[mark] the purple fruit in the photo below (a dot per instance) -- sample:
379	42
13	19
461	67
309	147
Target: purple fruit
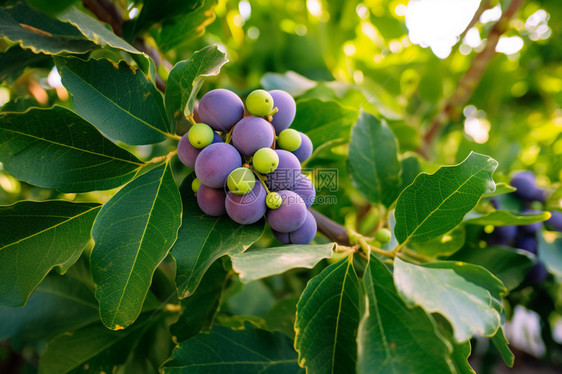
527	243
304	152
537	274
305	189
533	227
555	221
249	208
220	109
286	174
251	134
287	110
503	235
526	187
187	153
305	233
290	215
211	200
215	162
282	237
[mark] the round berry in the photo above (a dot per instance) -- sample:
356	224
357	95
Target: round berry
200	135
287	109
215	163
195	185
383	235
290	215
265	160
252	133
273	200
220	109
290	140
305	233
211	200
259	103
241	181
187	153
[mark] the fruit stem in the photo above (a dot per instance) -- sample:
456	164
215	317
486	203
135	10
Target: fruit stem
191	119
229	135
366	247
173	136
158	159
275	110
262	181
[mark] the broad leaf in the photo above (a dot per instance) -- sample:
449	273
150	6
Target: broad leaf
41	33
436	203
393	338
51	6
509	265
59	304
550	253
93	348
154	11
327	320
461	351
222	350
291	82
16	59
373	160
502	345
204	239
133	234
187	77
198	310
95	31
501	189
281	316
324	121
183	29
116	98
467	295
56	148
265	262
443	245
506	217
36	237
410	169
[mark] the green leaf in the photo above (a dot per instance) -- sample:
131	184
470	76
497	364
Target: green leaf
461	351
502	345
410	169
436	203
443	245
450	287
324	121
92	348
265	262
327	320
373	160
116	98
59	304
222	350
133	233
95	31
550	253
36	237
291	82
281	316
509	265
185	28
56	148
187	77
51	6
501	189
16	59
198	310
41	33
393	338
506	217
204	239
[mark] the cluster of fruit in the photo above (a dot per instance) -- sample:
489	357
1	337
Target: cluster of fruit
248	164
525	237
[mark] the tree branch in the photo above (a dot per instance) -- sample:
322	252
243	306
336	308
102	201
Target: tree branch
107	12
333	230
472	77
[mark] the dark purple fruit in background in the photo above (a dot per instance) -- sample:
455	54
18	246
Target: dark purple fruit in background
215	162
249	208
220	109
503	235
287	110
527	243
251	134
537	274
305	233
304	152
187	153
526	187
533	228
211	200
287	172
282	237
555	221
290	215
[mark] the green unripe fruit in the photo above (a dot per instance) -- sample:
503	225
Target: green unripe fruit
241	181
273	200
259	103
265	160
383	235
289	140
195	185
200	135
